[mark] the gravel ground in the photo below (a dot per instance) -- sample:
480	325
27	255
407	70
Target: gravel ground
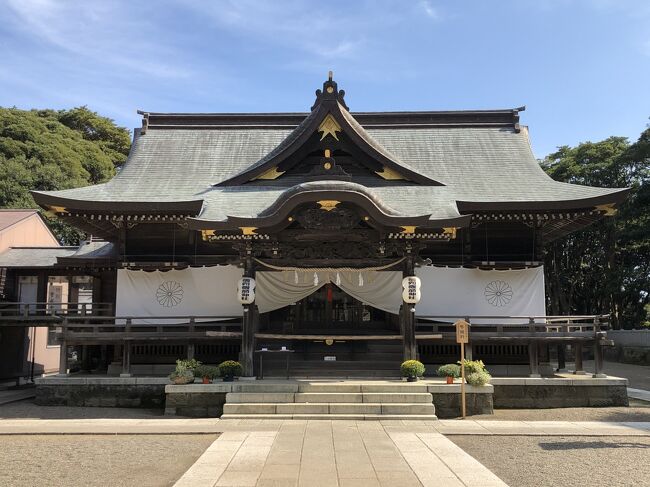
567	461
638	411
65	460
28	410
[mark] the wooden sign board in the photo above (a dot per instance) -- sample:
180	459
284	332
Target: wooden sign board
462	331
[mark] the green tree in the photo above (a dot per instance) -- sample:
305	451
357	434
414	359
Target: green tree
605	268
51	150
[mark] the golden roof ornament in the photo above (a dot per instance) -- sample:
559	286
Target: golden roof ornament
329	126
330	93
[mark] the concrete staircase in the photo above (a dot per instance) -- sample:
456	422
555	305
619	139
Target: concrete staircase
323	400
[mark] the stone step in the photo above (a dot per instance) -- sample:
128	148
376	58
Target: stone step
328	397
330	408
362	387
356	417
339	393
372	397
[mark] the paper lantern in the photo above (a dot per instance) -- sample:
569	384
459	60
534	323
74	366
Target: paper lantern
411	293
246	290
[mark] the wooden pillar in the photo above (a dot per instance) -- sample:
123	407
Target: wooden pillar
63	350
249	324
408	318
577	352
533	358
561	357
41	292
598	360
126	351
544	360
469	351
126	360
598	349
63	358
190	346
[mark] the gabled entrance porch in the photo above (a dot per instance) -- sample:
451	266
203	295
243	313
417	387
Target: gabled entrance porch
329	334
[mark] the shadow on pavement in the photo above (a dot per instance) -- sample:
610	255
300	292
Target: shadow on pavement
595	445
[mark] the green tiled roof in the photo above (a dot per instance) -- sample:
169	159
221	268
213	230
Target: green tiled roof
479	163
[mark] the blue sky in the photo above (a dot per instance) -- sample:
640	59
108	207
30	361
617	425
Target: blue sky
582	67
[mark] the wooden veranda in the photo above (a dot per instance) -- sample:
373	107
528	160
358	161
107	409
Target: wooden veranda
88	324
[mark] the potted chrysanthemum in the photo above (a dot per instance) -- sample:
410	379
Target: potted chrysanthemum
207	373
450	371
412	370
229	370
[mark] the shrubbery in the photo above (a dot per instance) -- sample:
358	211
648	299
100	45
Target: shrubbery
449	370
412	368
476	373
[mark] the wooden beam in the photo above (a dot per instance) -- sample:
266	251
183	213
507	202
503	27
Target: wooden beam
347	338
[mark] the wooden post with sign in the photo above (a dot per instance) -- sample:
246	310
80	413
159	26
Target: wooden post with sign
462	337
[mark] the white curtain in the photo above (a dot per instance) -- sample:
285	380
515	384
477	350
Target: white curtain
211	291
195	291
474	292
380	289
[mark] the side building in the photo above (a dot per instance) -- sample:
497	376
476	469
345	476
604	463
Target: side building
27	247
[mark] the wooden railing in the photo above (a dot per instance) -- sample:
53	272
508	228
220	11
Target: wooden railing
534	331
36	311
84	324
525	326
98	329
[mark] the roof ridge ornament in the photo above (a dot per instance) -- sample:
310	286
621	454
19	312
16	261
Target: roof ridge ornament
329	93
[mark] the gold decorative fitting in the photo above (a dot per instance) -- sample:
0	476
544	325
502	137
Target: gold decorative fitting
290	218
329	341
328	205
389	174
608	209
329	126
330	89
272	173
409	230
206	234
248	230
450	232
366	218
58	209
328	153
327	166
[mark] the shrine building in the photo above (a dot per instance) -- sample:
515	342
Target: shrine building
238	235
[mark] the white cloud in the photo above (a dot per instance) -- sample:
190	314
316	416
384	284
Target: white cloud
95	30
429	10
326	33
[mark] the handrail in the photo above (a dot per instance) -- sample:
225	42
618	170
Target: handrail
67	324
48	308
516	317
141	317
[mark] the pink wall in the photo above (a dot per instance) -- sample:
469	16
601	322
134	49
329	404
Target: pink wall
30	232
47	356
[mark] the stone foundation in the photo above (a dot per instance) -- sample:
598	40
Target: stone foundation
196	400
447	399
559	392
131	392
207	400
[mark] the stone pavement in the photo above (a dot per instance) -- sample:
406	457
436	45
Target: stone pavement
323	452
163	425
639	394
336	453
